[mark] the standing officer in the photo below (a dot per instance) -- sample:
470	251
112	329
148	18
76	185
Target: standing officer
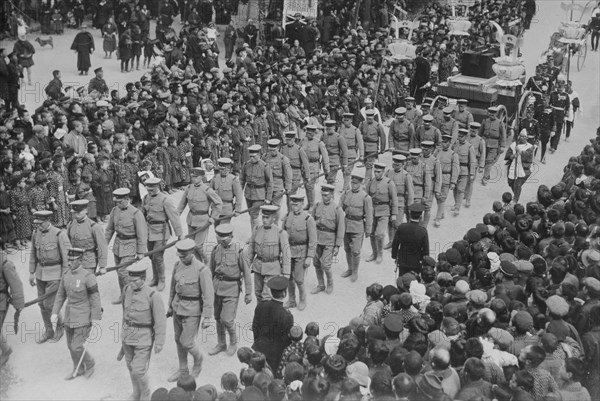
228	268
412	113
382	191
374	139
161	215
478	144
531	125
420	175
11	292
257	181
405	193
229	190
88	235
467	161
191	298
268	252
144	327
427	132
298	161
355	144
337	150
358	212
281	170
302	231
411	243
449	165
132	235
435	172
402	132
317	155
449	126
79	288
493	131
330	236
462	115
48	262
205	206
561	103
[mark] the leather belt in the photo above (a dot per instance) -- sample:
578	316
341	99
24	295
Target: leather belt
277	176
198	212
464	164
446	173
227	201
295	168
313	160
325	229
138	325
184	298
268	260
226	278
297	243
370	141
375	203
256	185
53	263
157	221
125	237
356	218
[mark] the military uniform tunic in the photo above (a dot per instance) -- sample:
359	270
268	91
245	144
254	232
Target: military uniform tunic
358	215
338	154
228	188
256	179
480	149
495	139
373	138
316	154
302	231
11	292
467	162
404	189
282	175
403	134
464	118
431	134
385	203
450	169
89	235
421	178
299	165
330	232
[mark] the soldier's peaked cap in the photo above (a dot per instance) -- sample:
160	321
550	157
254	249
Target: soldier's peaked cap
379	166
399	158
278	283
273	143
269	209
415	151
43	214
254	148
297	198
225	161
224	230
475	124
152	181
185	245
462	131
417	208
136	269
79	204
197	171
327	188
121	192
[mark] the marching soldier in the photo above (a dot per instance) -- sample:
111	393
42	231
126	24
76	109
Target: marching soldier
427	132
373	138
48	262
358	213
462	115
438	112
88	235
449	126
478	144
281	170
493	131
418	122
257	181
302	231
79	289
316	154
228	269
531	125
382	191
467	161
435	172
561	103
268	252
205	206
337	150
11	292
160	215
131	242
411	243
402	132
228	188
298	161
190	300
330	236
449	164
412	113
420	175
144	327
355	144
405	193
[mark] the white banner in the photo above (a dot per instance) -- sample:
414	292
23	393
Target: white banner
306	8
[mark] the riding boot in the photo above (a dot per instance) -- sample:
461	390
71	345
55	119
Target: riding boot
60	330
183	365
232	348
144	385
391	233
291	302
379	243
221	340
374	248
302	296
320	282
329	288
197	368
136	386
349	260
355	264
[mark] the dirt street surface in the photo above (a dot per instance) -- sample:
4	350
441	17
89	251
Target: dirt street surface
38	371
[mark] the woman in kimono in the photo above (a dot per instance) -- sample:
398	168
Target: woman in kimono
185	149
7	225
109	33
57	188
164	159
20	208
175	163
102	185
39	194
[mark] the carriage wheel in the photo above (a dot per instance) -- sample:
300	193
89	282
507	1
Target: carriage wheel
582	54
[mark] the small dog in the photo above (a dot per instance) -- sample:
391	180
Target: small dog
44	42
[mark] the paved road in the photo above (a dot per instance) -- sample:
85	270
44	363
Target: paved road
39	370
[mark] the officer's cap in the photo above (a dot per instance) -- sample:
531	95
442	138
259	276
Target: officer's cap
492	109
79	205
273	143
269	209
152	182
197	171
415	151
426	105
446	137
137	269
348	115
358	174
393	323
400	111
399	158
97	70
42	215
370	112
185	245
410	99
329	123
428	118
462	101
225	161
463	131
475	124
427	144
327	188
76	253
296	198
417	208
290	134
278	283
121	192
311	127
447	110
254	148
379	166
224	230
